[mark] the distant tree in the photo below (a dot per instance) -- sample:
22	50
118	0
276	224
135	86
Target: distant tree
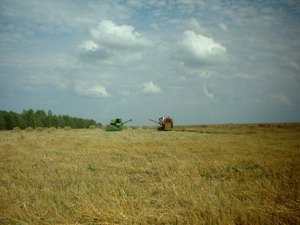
8	122
61	122
39	118
29	117
53	121
14	119
50	113
3	120
79	123
21	121
67	120
91	122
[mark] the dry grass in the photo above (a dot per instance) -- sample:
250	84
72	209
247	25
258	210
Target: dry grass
92	127
67	128
16	129
245	174
29	129
51	129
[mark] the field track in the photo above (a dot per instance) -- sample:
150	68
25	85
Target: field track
209	174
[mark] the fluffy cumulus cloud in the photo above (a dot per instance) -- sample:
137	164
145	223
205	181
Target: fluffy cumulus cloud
91	90
119	36
151	88
111	44
89	46
198	50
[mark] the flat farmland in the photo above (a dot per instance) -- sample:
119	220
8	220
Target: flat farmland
215	174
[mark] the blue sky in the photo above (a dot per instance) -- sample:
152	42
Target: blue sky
201	62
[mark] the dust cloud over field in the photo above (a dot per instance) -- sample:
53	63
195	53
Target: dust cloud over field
222	174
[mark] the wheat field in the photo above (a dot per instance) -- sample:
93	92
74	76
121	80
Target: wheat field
217	174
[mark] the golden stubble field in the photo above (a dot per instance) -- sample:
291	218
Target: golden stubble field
219	174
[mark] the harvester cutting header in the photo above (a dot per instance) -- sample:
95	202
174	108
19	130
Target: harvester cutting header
166	124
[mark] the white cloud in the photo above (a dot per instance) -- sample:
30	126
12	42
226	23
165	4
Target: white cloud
293	65
119	36
87	89
113	44
223	27
88	46
207	93
124	93
194	24
282	99
151	88
243	76
41	80
206	74
198	50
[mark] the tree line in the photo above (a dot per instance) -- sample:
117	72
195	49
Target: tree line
39	118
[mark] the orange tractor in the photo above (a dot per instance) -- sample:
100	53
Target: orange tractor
166	124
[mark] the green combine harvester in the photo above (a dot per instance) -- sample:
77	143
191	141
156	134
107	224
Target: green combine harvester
116	125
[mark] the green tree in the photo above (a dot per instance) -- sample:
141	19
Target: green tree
41	118
3	120
14	119
29	117
53	121
60	122
8	121
50	113
21	121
